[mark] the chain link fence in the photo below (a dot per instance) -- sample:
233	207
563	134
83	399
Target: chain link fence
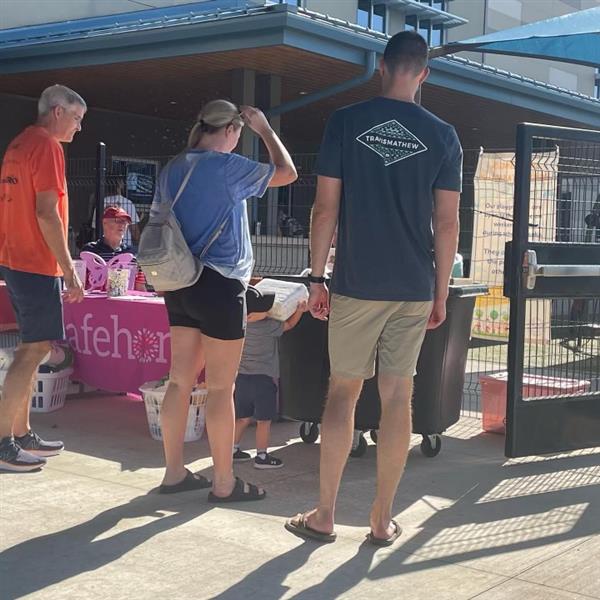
279	224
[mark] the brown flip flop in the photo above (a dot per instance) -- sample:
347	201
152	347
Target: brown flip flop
298	526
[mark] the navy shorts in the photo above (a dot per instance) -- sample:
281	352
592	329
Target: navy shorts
255	396
215	305
37	302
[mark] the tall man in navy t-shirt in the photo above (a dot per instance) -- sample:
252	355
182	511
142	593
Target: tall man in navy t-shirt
389	176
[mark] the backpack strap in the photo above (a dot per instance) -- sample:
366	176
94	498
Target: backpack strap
213	238
217	232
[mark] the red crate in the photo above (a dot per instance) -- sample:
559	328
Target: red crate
493	394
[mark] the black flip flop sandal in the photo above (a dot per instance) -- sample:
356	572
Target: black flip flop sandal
191	481
384	542
238	494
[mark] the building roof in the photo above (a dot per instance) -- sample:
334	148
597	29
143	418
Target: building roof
223	25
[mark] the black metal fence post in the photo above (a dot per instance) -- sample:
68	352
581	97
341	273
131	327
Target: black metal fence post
100	185
516	344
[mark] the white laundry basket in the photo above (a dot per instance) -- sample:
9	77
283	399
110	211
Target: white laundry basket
154	394
49	392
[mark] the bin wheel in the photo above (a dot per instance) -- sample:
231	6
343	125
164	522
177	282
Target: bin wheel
373	434
309	432
431	445
360	447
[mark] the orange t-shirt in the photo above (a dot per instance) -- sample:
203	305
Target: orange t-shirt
34	162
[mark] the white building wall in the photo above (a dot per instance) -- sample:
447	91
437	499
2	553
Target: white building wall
340	9
395	21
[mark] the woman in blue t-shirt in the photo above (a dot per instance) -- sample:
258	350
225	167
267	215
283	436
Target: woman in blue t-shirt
208	319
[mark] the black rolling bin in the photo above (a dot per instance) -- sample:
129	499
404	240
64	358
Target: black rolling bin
438	385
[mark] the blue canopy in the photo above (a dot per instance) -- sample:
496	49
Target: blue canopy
573	38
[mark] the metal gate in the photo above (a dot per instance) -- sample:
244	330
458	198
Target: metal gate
553	281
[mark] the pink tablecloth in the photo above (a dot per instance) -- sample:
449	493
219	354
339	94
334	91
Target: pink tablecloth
7	315
119	343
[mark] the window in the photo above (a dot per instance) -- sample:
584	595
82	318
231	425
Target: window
363	13
379	18
439	4
433	34
425	28
436	35
371	15
597	85
411	23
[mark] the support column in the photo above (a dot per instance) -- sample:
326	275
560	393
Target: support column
273	193
268	94
244	92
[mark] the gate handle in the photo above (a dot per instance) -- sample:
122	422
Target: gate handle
532	270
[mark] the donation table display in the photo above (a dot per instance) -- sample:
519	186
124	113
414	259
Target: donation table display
119	343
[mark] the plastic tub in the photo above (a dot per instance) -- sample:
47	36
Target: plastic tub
494	393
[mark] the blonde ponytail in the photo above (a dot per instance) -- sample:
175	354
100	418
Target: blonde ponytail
212	117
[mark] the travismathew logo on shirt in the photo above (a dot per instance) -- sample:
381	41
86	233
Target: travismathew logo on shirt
392	141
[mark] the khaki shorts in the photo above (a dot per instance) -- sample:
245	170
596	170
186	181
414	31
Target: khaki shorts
359	330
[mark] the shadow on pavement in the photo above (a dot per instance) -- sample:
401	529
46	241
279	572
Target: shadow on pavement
504	507
56	557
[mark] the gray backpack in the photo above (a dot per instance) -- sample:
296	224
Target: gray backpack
163	253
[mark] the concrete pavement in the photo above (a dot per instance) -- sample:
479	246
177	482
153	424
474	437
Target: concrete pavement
476	525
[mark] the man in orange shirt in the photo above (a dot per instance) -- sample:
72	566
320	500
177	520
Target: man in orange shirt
34	213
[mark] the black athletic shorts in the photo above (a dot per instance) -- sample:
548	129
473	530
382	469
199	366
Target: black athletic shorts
215	305
37	302
255	396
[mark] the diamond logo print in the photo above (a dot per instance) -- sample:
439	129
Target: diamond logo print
392	141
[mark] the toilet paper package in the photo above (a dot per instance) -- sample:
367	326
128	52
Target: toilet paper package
287	297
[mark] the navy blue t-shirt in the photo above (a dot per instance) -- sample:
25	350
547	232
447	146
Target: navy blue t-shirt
390	156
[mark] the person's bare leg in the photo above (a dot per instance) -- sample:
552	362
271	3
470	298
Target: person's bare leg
187	361
16	392
240	428
222	363
337	428
21	424
393	439
263	434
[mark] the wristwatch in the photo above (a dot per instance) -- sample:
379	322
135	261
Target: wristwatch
314	279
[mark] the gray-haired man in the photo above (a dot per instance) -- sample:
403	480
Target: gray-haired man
34	214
